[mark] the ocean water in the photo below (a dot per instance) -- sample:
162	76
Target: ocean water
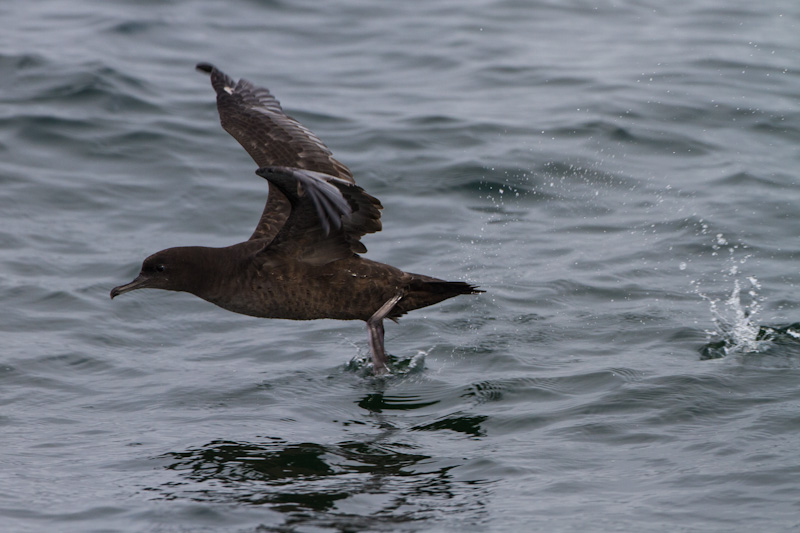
620	177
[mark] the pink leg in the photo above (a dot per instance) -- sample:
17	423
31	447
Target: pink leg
375	330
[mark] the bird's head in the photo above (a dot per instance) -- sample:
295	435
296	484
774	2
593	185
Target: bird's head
173	269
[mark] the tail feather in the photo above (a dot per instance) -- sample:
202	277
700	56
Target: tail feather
450	288
424	291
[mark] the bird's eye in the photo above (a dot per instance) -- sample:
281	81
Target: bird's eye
160	268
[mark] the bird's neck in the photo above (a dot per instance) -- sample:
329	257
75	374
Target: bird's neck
219	270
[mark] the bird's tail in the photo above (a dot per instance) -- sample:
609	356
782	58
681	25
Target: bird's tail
424	291
448	289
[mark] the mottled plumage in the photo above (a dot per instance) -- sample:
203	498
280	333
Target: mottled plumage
302	261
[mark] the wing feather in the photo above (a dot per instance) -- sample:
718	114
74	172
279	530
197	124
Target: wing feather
254	117
328	215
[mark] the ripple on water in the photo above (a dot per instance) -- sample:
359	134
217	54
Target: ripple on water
318	484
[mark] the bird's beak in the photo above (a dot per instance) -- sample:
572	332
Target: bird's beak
141	282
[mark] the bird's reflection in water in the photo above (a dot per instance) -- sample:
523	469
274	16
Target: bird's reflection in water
381	479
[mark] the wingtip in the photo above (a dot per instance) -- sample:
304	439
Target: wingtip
208	68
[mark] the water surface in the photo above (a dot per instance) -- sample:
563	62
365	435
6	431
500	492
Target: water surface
621	178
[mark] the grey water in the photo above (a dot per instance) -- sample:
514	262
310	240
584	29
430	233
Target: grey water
621	177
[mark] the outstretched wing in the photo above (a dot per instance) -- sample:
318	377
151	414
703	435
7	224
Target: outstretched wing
272	138
328	215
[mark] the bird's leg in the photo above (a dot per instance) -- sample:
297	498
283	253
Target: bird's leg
375	329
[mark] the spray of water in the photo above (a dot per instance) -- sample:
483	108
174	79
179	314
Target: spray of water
734	320
734	317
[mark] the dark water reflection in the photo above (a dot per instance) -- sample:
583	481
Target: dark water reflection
376	481
384	480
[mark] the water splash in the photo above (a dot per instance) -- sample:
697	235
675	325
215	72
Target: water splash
735	330
396	366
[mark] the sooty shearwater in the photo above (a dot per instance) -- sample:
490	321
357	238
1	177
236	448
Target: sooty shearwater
302	261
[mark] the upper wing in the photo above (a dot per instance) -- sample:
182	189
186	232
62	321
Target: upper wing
272	138
328	215
254	118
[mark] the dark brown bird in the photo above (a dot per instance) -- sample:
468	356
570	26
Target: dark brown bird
302	261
